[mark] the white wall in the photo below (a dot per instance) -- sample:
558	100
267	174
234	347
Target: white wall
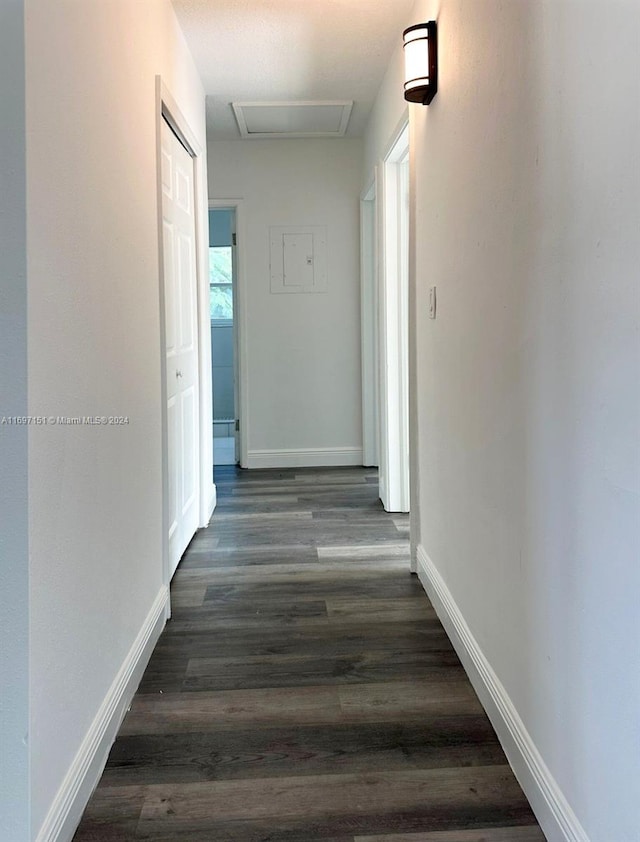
14	557
94	349
303	350
525	179
387	117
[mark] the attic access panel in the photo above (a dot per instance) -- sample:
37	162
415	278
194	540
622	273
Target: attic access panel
292	119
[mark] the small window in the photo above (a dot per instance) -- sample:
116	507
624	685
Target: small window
220	283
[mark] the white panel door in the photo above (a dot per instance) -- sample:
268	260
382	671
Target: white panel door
181	347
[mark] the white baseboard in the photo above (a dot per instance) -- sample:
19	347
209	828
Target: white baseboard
413	558
557	820
319	457
213	502
68	806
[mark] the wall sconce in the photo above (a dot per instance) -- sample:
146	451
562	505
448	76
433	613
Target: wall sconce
421	62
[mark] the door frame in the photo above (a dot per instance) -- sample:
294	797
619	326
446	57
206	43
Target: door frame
168	109
393	267
239	325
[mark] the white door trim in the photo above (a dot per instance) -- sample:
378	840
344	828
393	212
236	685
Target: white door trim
168	109
394	323
240	324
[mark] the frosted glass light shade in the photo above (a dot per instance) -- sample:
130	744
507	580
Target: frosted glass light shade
421	62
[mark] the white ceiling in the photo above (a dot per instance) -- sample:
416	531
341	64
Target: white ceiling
266	50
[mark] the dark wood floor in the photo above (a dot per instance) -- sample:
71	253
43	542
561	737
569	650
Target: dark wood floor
304	690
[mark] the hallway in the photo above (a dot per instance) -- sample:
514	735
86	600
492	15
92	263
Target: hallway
304	689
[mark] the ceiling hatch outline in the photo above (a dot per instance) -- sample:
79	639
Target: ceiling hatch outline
307	118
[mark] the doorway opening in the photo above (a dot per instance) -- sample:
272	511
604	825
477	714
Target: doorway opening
222	308
394	326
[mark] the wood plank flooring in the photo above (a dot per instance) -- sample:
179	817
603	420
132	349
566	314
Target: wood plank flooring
304	689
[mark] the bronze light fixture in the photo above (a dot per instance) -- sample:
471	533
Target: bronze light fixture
421	62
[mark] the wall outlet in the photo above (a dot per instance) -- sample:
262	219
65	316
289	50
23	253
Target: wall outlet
432	303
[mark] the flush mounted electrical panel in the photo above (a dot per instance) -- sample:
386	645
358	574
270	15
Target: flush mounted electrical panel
298	258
